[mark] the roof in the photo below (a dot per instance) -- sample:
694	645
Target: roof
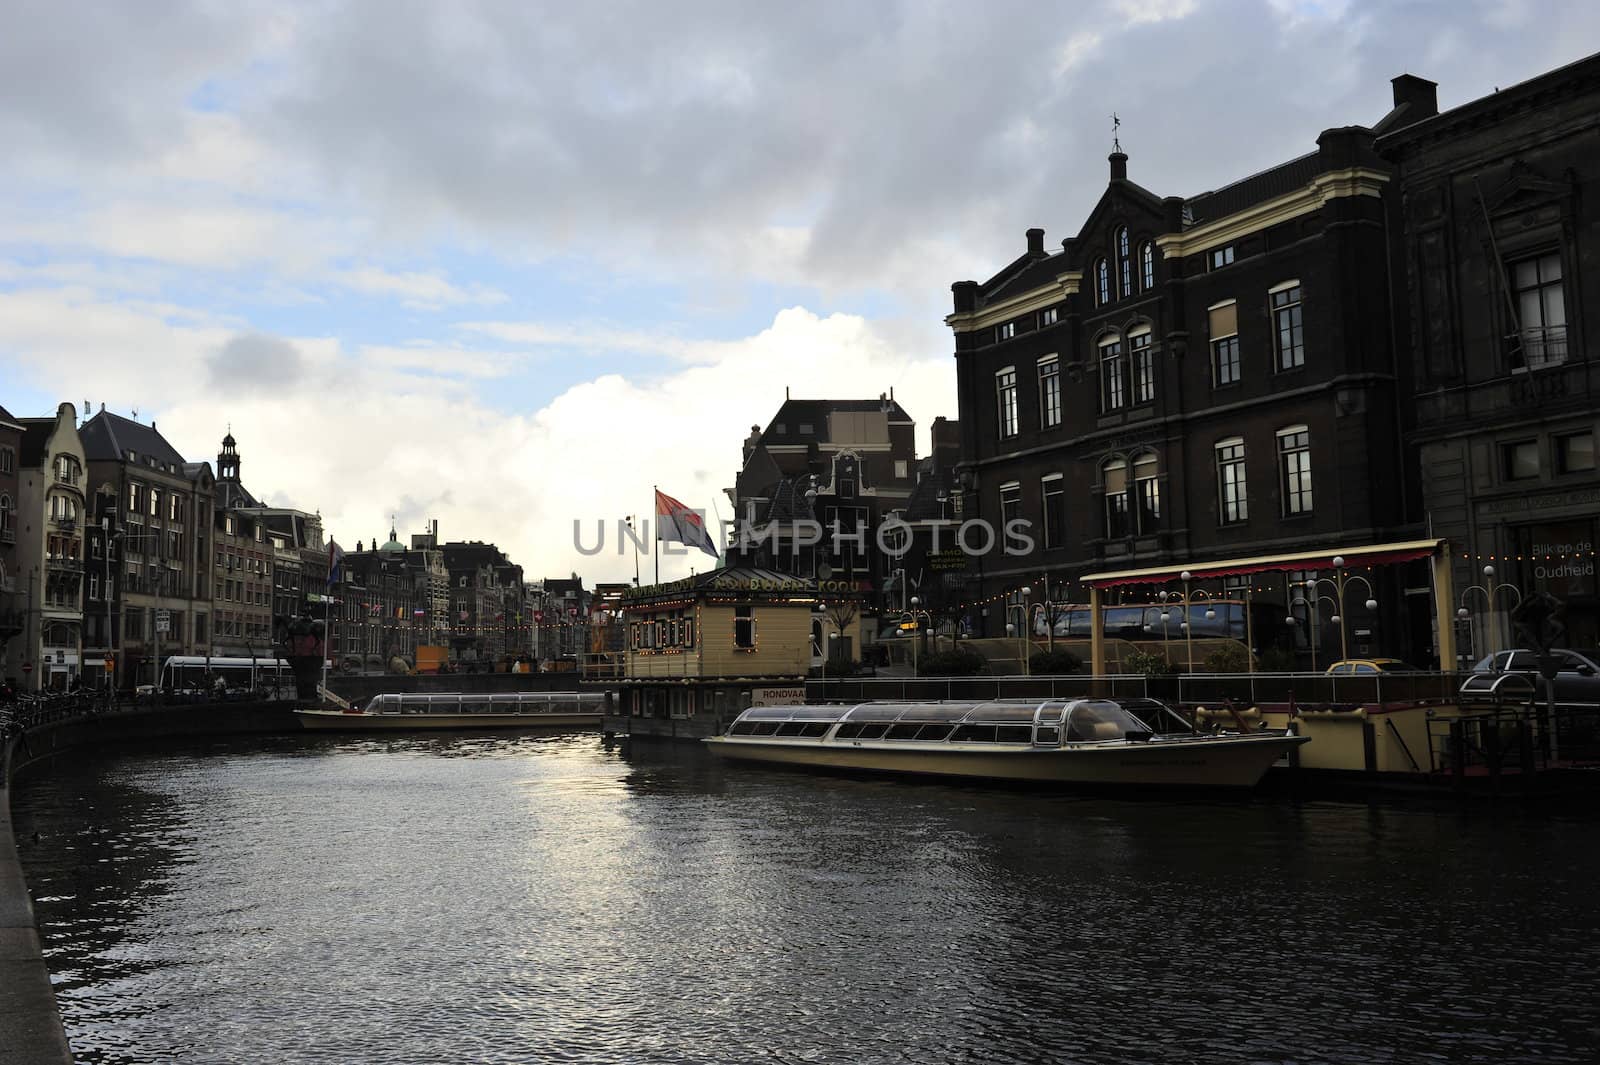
1365	555
1257	188
814	412
1025	277
231	495
1510	99
741	581
109	437
7	418
35	436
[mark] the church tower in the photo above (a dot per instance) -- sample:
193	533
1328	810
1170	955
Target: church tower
228	460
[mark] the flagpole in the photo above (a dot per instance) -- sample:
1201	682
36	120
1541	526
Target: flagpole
656	507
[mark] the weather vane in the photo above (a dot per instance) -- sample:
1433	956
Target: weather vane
1116	124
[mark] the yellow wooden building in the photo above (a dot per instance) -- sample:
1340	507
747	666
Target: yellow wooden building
700	650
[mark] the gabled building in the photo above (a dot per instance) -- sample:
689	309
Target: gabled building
816	487
160	532
12	614
1188	378
49	551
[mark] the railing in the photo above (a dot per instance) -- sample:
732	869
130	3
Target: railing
1536	348
1528	738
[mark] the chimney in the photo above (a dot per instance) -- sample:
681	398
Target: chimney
1419	95
1035	242
1119	166
966	296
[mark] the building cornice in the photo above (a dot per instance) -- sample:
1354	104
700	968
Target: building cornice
1031	301
1352	181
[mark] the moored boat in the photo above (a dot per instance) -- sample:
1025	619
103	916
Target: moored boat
1059	741
395	711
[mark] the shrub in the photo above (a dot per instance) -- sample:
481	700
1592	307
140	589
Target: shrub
1049	663
1146	663
1231	659
956	663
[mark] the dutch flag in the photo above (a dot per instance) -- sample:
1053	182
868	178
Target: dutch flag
335	560
676	523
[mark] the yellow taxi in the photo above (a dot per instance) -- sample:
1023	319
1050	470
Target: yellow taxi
1371	667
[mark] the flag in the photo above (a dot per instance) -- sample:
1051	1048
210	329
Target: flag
335	560
676	523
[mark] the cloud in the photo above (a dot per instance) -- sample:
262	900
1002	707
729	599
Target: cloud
255	360
424	291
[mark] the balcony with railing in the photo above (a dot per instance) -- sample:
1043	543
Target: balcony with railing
1536	349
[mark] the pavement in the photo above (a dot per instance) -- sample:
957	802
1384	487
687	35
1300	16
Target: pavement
30	1023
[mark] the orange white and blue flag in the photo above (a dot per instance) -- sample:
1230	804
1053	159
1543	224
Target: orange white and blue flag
676	523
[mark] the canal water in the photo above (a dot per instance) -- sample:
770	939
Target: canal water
484	899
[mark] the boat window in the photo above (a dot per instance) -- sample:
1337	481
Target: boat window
1091	721
974	734
878	711
934	732
792	728
873	730
1047	734
814	728
848	731
1014	733
742	728
1003	712
904	730
763	728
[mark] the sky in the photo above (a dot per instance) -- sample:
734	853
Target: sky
509	265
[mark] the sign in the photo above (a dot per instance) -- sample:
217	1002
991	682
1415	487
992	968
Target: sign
947	559
538	615
27	667
789	695
163	621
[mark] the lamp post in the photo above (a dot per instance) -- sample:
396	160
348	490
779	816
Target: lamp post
1493	587
1342	581
1188	632
635	540
916	629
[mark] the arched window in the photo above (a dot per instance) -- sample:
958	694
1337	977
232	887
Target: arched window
1144	366
1113	373
1147	492
1102	283
1114	475
1147	264
1124	262
6	512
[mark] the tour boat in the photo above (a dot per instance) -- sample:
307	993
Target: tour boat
466	711
1059	741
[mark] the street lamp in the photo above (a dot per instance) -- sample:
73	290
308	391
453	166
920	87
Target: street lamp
1188	632
1341	582
1488	593
916	630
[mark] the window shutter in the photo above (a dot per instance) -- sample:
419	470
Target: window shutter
1224	320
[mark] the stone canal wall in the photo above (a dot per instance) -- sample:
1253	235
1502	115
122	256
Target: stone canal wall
30	1023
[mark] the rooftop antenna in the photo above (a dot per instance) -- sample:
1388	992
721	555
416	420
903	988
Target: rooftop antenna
1116	124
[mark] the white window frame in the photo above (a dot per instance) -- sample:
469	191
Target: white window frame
1053	485
1113	381
1050	396
1005	395
1143	384
1297	309
1236	511
1301	499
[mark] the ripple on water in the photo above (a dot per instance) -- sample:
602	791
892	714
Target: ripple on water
514	899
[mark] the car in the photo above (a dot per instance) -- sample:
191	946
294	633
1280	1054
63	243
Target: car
1368	667
1577	677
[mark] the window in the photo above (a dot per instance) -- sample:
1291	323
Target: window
1144	367
1005	384
1049	391
1147	264
8	460
1147	493
1124	262
1286	326
1519	461
155	503
1102	282
1010	503
1224	319
805	429
1231	481
1541	312
1005	331
900	468
1575	453
744	627
1221	257
1049	316
8	529
1115	475
1294	467
1053	490
1112	395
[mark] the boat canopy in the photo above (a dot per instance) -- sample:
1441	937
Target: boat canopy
1049	711
487	703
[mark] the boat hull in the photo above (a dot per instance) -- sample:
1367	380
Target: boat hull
345	721
1210	762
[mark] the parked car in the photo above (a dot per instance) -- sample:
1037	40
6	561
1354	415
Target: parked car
1368	667
1577	679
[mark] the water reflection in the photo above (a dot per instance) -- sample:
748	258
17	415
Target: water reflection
450	898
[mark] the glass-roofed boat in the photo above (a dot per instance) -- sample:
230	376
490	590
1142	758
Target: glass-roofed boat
1069	741
416	710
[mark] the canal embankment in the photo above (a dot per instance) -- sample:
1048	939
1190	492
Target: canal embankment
30	1021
